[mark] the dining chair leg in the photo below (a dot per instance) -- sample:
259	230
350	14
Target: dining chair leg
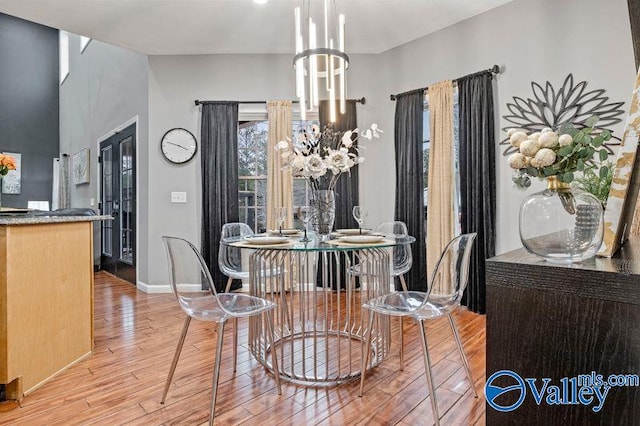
401	320
403	283
427	372
235	343
216	372
404	288
367	351
176	356
274	357
227	289
462	354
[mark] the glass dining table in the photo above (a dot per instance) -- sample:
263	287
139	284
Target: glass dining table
320	325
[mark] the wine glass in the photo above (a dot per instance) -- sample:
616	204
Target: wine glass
360	215
304	214
281	214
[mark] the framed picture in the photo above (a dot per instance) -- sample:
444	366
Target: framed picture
621	202
81	167
12	182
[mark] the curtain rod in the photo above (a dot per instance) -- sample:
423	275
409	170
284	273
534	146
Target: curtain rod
360	101
493	70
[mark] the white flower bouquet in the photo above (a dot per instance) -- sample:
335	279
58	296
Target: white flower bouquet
323	156
558	153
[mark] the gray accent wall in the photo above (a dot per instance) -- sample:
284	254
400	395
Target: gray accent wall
29	110
107	89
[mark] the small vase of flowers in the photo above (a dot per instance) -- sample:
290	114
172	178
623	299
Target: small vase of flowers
560	224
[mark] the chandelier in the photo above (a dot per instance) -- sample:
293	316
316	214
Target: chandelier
320	61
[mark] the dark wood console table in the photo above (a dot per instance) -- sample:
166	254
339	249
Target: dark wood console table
557	321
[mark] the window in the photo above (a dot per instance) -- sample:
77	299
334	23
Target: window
64	55
252	172
84	42
426	146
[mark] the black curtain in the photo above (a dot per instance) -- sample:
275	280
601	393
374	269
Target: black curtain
477	179
219	161
634	17
346	191
409	206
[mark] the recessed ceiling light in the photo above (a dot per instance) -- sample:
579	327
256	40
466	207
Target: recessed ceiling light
260	1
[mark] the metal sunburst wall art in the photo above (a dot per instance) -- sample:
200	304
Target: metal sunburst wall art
572	103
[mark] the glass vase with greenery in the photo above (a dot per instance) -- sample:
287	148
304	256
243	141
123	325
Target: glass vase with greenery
596	184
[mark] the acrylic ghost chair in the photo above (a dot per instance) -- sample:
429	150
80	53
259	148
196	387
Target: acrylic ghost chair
402	262
234	266
186	268
443	295
229	257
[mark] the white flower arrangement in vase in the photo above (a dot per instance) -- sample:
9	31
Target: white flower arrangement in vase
558	154
323	156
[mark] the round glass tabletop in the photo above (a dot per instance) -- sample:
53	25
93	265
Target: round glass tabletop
337	242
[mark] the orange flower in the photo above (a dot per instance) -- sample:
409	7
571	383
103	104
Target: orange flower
7	163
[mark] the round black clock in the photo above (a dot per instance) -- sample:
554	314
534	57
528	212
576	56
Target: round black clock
178	145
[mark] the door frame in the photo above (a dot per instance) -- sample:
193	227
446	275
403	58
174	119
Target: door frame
98	174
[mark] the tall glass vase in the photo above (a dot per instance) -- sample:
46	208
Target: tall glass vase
323	212
561	225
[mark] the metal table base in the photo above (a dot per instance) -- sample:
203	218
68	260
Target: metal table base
319	330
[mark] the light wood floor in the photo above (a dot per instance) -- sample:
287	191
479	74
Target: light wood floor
136	334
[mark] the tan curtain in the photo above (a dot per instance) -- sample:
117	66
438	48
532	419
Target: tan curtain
440	225
279	182
635	225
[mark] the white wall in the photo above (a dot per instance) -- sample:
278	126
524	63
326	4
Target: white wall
532	40
106	87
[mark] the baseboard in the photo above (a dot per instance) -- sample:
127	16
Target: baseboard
158	289
152	289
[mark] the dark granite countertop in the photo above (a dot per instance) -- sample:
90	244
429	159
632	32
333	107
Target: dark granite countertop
27	219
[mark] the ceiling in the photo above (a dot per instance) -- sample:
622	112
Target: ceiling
171	27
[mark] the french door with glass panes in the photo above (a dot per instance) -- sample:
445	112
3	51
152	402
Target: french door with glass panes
118	199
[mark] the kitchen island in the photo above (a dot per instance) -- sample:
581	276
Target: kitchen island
46	297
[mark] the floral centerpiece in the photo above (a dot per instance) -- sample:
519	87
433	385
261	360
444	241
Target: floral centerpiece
322	156
558	224
558	153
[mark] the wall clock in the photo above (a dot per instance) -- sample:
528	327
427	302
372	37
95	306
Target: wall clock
178	145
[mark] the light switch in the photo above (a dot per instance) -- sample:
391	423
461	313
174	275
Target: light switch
178	197
92	202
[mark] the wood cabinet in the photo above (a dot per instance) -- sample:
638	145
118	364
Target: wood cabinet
46	300
555	321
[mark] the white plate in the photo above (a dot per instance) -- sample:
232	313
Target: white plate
354	231
263	241
284	232
361	239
